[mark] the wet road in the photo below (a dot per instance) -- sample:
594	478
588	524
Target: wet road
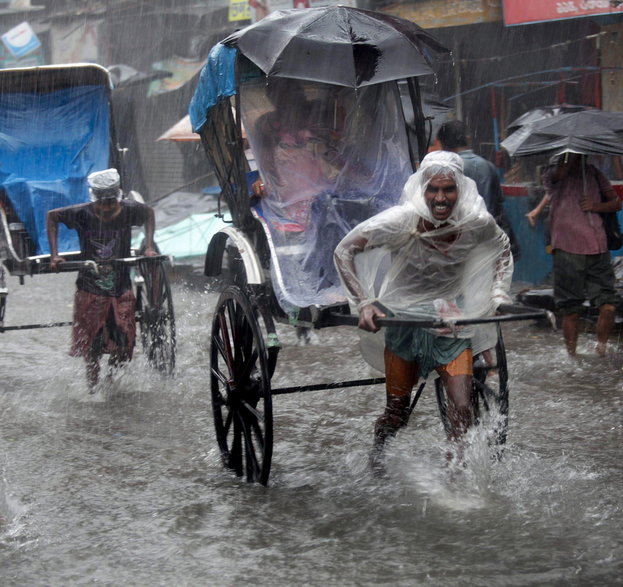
126	487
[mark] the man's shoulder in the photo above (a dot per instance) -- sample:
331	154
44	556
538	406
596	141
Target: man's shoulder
73	209
128	203
133	205
477	160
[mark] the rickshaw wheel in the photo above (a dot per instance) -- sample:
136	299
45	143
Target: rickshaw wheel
240	385
259	300
485	395
154	305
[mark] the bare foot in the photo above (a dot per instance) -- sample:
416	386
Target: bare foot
600	349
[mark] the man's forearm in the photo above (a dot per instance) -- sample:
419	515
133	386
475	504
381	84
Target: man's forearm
150	228
52	230
612	204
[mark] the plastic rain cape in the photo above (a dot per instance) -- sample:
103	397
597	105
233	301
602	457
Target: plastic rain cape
413	272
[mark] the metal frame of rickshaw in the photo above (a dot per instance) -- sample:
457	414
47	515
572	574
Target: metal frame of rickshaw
244	343
154	306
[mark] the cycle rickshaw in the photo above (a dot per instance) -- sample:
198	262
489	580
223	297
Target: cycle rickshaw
277	86
56	127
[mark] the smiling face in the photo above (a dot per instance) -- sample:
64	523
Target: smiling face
441	195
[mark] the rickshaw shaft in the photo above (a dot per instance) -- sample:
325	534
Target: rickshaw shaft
334	385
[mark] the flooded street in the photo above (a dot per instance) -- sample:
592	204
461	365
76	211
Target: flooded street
126	487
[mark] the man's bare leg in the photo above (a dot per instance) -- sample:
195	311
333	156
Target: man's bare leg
401	376
92	360
605	323
570	330
460	409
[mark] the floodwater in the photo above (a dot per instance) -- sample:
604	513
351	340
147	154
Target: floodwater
125	487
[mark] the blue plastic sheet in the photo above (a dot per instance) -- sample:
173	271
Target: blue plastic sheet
49	143
217	81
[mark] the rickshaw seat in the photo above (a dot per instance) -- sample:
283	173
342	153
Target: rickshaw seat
303	256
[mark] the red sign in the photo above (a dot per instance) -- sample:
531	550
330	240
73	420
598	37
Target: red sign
528	11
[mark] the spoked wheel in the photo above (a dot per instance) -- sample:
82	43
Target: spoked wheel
154	307
240	384
489	392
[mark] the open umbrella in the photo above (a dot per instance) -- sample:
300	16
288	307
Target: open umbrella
337	45
520	128
541	113
181	131
589	132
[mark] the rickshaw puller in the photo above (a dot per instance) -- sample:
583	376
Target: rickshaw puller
104	303
438	254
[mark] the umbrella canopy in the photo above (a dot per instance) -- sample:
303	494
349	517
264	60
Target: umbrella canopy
589	132
541	113
337	45
521	127
181	131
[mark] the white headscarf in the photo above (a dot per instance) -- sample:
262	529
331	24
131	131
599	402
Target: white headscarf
449	165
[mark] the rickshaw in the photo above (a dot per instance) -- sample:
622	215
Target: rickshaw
301	92
56	127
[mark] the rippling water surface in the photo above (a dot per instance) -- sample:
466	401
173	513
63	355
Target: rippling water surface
126	487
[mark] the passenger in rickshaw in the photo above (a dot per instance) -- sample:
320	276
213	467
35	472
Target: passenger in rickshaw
329	157
297	154
438	254
104	303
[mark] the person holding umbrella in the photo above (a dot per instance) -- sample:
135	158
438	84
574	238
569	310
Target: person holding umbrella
578	193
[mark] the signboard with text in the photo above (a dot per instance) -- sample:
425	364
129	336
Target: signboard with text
239	10
531	11
262	8
21	40
431	14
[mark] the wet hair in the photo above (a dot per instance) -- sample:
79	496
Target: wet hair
452	134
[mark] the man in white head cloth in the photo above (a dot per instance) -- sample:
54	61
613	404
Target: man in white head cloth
104	303
437	255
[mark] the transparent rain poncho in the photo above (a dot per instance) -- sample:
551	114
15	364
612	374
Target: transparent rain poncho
329	157
393	260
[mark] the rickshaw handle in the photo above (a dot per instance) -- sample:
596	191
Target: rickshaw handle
510	313
95	265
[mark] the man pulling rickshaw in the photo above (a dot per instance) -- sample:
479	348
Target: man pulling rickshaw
437	254
104	303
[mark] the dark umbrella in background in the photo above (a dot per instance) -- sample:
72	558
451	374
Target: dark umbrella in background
543	112
337	45
589	132
520	128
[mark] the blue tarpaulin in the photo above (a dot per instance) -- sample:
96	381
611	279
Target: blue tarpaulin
217	81
49	143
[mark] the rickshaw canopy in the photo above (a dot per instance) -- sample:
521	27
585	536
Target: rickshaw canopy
329	154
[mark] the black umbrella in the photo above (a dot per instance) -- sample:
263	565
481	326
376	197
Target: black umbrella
337	45
589	132
542	112
521	127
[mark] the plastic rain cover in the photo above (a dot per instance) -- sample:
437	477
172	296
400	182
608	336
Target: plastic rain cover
329	157
460	268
